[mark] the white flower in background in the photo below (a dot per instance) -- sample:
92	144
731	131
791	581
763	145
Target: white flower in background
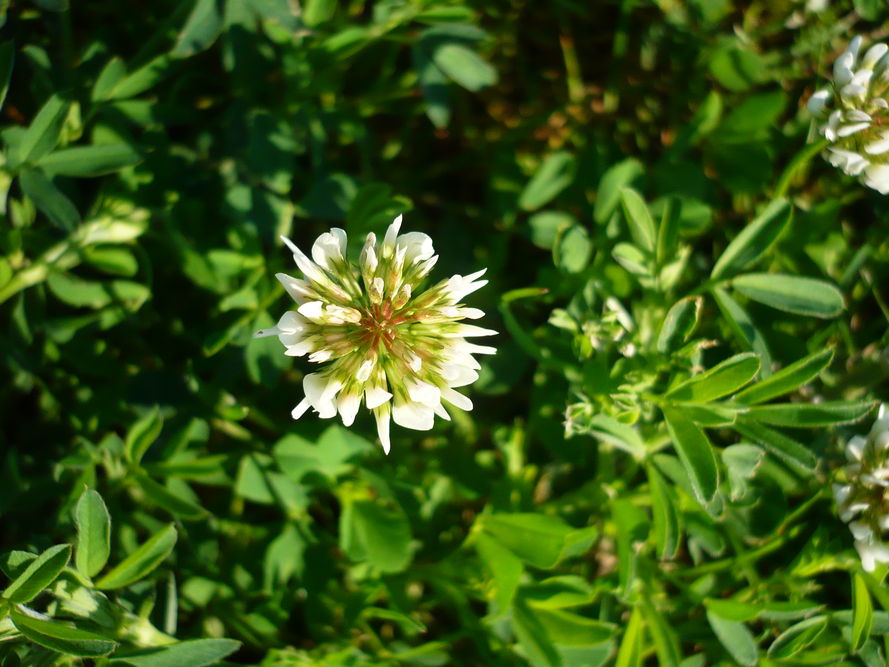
400	350
852	113
863	501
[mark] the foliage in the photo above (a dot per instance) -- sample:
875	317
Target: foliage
690	301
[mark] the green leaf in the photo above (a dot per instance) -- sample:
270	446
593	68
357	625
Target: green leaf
631	646
193	652
142	79
49	199
573	249
638	219
61	637
797	637
169	500
533	636
724	378
111	74
201	29
142	434
88	161
785	448
787	379
695	453
535	538
807	415
618	434
735	637
142	561
464	66
754	240
666	639
7	58
744	328
712	415
668	233
316	12
44	132
665	515
42	571
377	533
504	565
742	461
862	612
93	533
792	294
679	324
557	592
570	629
554	174
610	186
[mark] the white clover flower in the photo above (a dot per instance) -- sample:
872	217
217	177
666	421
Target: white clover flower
400	349
852	114
863	501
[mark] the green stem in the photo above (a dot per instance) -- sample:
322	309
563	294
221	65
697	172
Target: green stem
796	164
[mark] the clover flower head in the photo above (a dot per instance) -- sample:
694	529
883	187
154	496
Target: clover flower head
863	501
853	114
401	349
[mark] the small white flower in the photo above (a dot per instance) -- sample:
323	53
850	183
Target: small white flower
863	500
399	348
852	111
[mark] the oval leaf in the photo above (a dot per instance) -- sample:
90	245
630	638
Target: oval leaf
736	638
93	533
555	173
787	379
638	219
755	239
142	561
724	378
194	653
807	415
39	574
60	637
696	454
792	294
87	161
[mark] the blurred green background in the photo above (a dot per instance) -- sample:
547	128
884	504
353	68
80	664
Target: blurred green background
153	152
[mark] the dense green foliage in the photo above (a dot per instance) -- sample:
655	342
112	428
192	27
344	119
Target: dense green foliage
691	302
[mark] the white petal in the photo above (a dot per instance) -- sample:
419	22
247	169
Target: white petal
299	348
857	115
300	409
298	290
842	68
383	428
308	267
391	235
413	415
873	55
312	311
849	130
880	146
330	247
374	397
423	392
469	331
865	552
458	376
348	405
364	370
818	102
320	391
877	177
861	531
417	245
456	399
439	410
855	447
